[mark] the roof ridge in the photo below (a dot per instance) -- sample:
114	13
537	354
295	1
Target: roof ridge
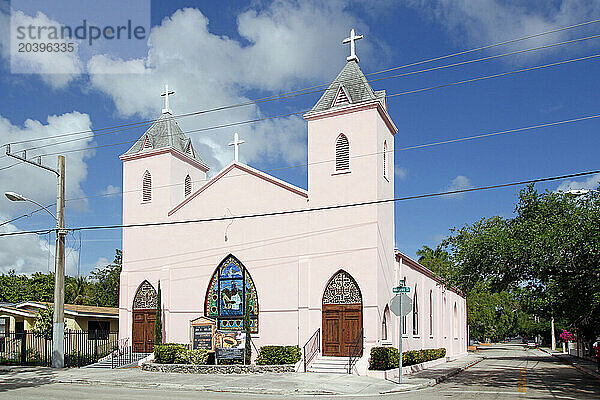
165	132
354	82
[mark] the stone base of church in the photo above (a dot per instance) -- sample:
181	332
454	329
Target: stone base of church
217	369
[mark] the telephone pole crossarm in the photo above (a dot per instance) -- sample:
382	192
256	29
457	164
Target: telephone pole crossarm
25	160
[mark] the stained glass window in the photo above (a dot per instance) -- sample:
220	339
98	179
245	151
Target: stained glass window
231	288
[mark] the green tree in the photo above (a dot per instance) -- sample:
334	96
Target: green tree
438	260
43	322
104	288
548	254
76	290
158	320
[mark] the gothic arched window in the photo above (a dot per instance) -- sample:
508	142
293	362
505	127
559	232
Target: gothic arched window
147	187
384	324
342	153
230	291
415	314
404	320
431	313
188	185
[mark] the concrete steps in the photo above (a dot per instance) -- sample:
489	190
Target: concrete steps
120	362
332	365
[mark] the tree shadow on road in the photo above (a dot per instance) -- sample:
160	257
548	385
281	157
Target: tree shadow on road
25	378
529	371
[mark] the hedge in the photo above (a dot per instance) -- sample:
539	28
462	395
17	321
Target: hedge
175	353
384	358
278	355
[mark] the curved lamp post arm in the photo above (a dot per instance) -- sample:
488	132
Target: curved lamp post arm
12	196
43	208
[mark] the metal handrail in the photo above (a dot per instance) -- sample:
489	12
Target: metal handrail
314	346
353	357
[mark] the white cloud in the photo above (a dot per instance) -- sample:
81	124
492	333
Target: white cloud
400	172
439	237
30	253
285	45
101	263
36	183
56	68
473	23
590	183
27	254
459	183
110	190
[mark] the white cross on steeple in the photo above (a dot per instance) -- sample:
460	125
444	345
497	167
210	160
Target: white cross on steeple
166	95
352	39
236	145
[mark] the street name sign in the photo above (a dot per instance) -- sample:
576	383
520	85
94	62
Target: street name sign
401	289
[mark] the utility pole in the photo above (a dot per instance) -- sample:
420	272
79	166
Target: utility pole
58	325
400	345
553	334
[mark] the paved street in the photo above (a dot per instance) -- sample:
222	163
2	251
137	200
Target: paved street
496	377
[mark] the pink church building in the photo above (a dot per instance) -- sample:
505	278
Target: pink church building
305	268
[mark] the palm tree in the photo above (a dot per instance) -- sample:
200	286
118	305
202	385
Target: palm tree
437	260
76	290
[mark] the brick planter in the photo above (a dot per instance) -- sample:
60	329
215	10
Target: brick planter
216	369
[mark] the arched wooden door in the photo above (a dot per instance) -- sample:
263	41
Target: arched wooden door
144	315
342	317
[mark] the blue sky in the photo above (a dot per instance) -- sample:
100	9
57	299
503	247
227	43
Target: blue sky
219	53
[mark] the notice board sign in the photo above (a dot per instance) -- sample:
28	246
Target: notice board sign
230	344
203	334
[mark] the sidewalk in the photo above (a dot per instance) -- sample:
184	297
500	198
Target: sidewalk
269	383
583	365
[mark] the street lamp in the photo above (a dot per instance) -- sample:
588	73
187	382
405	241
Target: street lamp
58	319
12	196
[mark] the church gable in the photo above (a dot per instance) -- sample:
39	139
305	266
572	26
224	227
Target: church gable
263	183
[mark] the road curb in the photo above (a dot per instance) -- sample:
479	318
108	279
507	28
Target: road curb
457	371
193	388
577	367
439	379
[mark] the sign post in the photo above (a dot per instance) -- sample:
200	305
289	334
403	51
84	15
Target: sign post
400	305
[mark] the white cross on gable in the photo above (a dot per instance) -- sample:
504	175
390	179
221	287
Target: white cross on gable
352	40
166	95
236	146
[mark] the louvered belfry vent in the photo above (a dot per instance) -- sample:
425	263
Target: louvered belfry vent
342	153
147	187
146	144
188	185
341	97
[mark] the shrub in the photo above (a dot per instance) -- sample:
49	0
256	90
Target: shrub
384	358
167	353
199	357
278	355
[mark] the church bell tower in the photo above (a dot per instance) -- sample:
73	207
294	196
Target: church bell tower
350	140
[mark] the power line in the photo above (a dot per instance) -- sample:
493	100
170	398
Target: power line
471	80
323	208
518	71
306	90
359	82
412	147
491	46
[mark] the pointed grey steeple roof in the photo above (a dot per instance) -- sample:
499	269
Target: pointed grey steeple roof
165	132
353	84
